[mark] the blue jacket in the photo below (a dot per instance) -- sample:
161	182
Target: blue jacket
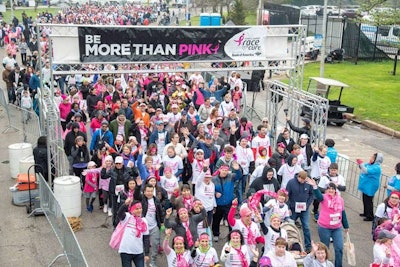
144	173
108	138
370	180
225	186
217	94
332	154
299	192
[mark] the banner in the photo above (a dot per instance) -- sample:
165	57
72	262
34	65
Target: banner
148	44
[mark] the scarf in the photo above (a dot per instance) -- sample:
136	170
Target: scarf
251	239
256	198
188	202
180	259
188	233
242	256
334	203
141	226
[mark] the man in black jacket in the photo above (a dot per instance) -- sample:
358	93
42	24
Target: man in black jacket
154	214
266	181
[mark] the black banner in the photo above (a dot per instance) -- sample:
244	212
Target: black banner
127	44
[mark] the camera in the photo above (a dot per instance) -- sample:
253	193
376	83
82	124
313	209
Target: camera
286	111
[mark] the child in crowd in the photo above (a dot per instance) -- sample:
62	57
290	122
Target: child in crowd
90	189
169	182
277	206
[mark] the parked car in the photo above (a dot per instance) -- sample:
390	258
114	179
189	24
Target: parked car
330	11
309	11
350	13
337	110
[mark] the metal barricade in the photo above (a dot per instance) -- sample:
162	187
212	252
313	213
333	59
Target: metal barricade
351	172
25	123
61	227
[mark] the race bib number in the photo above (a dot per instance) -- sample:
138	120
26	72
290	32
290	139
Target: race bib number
300	206
119	188
334	219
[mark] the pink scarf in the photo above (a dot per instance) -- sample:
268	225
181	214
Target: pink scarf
188	202
181	261
251	239
242	257
256	198
188	233
141	226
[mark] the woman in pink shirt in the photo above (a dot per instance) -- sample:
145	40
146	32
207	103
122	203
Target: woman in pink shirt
332	218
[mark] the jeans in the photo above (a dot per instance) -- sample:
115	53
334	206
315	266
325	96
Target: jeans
154	243
304	218
337	236
126	260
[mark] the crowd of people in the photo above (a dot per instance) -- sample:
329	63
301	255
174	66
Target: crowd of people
170	152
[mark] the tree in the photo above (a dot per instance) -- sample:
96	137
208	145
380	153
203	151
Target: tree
387	16
237	14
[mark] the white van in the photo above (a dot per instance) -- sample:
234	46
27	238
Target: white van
383	34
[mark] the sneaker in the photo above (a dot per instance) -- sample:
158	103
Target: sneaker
331	239
109	213
91	208
221	222
298	224
216	238
226	223
105	208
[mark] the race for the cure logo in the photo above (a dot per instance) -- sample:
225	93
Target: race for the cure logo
248	43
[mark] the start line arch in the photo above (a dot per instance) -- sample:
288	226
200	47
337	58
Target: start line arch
76	48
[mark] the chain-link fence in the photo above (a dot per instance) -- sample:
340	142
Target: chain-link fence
359	40
60	225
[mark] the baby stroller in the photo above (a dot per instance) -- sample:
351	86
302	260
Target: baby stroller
336	54
295	241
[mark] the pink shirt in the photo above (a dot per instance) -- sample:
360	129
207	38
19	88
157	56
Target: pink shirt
330	215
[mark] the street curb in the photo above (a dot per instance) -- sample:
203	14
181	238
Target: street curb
381	128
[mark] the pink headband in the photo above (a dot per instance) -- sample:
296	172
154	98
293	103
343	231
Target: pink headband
222	168
196	201
181	210
204	236
234	234
135	206
178	238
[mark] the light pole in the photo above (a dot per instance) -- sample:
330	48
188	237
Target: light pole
259	13
322	62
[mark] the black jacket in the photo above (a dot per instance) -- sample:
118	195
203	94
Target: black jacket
159	210
262	182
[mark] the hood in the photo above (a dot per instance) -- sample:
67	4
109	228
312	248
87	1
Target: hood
379	158
289	160
264	173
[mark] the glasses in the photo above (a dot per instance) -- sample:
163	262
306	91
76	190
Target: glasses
265	121
118	163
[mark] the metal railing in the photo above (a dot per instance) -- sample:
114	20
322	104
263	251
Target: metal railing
60	225
351	172
24	122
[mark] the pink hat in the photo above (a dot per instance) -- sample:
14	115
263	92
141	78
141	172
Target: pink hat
244	212
119	138
64	97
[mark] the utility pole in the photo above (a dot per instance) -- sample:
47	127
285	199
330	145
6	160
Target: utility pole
323	48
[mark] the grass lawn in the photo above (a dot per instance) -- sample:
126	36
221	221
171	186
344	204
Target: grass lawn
374	92
30	11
